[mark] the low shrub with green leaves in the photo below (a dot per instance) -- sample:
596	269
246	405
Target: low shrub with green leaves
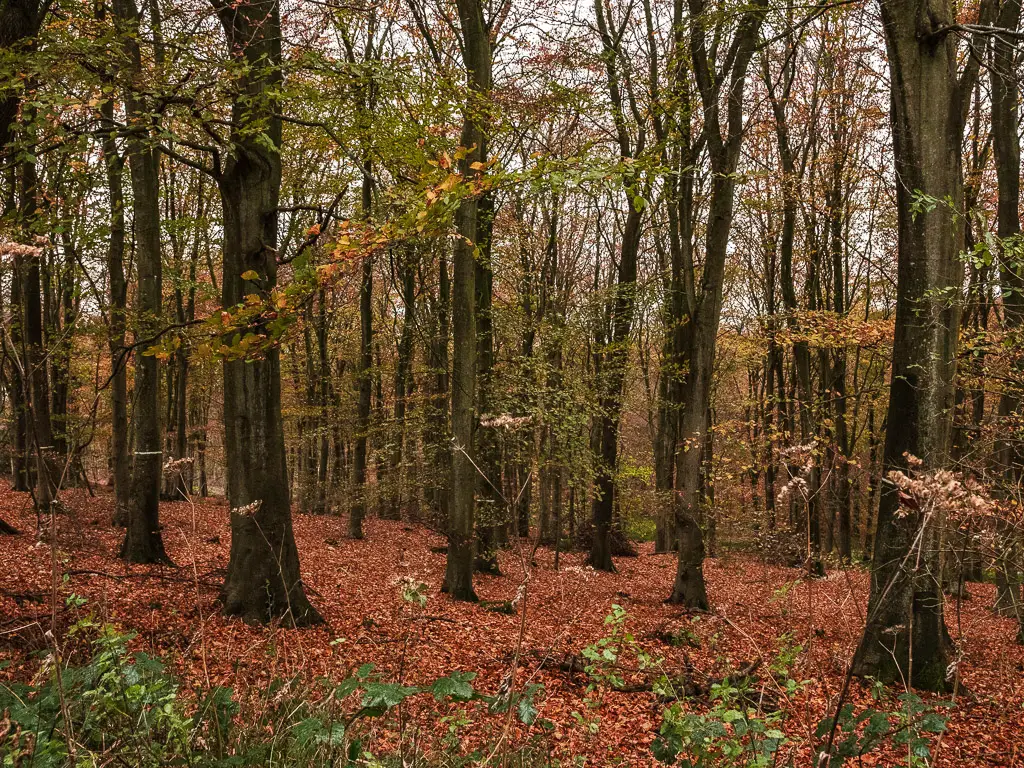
909	725
124	708
114	705
731	726
730	734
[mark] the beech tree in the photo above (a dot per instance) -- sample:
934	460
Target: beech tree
591	280
906	637
704	302
612	354
476	53
143	542
263	579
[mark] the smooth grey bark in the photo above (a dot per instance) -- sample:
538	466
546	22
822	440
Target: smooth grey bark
905	637
476	52
143	542
705	306
263	579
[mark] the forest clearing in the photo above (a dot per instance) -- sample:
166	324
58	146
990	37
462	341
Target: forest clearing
436	383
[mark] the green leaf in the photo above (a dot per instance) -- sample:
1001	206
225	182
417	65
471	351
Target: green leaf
346	687
455	686
933	722
387	695
526	710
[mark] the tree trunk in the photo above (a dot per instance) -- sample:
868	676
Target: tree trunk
61	349
613	357
706	308
22	466
905	638
143	542
392	504
19	22
612	379
476	48
263	579
437	439
491	516
842	447
35	353
180	483
1005	142
803	393
364	377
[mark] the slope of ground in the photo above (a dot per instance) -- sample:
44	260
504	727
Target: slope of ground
757	611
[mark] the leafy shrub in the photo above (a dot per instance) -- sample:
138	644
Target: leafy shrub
112	705
125	709
908	727
728	734
732	727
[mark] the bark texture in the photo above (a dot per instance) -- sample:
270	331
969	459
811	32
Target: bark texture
263	580
476	48
905	638
143	542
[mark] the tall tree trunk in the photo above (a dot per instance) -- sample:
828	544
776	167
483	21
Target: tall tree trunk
490	514
325	395
180	487
614	361
689	588
143	542
61	350
22	466
613	357
263	579
403	384
364	377
19	22
840	431
305	477
476	49
440	450
1005	143
35	353
707	486
801	350
905	638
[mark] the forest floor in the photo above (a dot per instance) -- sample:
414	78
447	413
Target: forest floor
353	584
